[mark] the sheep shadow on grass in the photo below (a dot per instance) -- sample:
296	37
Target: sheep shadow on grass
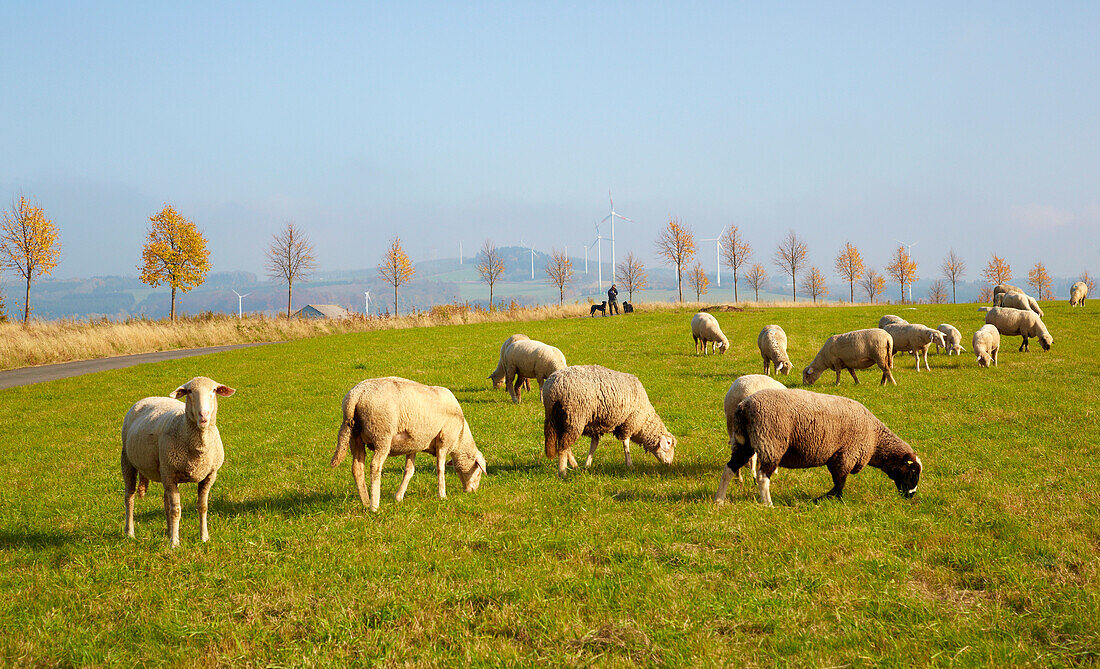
287	504
16	539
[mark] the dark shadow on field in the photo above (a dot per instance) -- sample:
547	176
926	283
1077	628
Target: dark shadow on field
288	505
653	468
700	494
514	467
11	540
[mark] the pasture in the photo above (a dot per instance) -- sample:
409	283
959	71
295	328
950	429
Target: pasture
993	562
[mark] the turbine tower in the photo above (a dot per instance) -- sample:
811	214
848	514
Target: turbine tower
612	216
908	252
366	306
598	243
532	250
717	253
240	298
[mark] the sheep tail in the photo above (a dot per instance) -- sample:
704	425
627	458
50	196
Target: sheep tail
740	426
142	486
890	354
343	440
553	427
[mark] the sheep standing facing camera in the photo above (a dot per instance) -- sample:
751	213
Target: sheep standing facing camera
772	342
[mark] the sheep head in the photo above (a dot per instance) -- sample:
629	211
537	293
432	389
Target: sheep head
785	367
938	339
811	374
905	471
1046	340
497	377
468	461
984	359
200	395
723	346
665	449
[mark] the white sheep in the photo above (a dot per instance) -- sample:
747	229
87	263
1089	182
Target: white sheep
772	342
704	330
798	429
397	416
891	320
497	375
851	351
1021	301
530	359
1077	294
916	338
594	400
174	442
741	388
1025	323
952	338
985	344
1002	289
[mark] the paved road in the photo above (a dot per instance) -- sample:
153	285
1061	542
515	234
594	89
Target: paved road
28	375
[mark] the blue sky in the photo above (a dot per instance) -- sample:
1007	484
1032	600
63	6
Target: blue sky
974	127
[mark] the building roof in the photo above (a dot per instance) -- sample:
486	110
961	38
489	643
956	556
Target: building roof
326	310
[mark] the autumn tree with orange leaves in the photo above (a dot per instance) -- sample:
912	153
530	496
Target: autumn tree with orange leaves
490	267
1039	279
631	274
998	271
849	265
903	269
1087	280
676	246
757	278
814	284
697	279
290	258
29	245
874	284
559	272
735	252
396	269
174	253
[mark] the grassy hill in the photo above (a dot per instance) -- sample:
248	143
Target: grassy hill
994	562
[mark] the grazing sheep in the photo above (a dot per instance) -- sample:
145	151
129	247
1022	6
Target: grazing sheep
798	429
594	400
851	351
1077	294
891	320
403	417
742	387
772	342
952	338
530	359
985	344
916	338
704	330
497	377
174	442
1021	322
1021	301
1002	289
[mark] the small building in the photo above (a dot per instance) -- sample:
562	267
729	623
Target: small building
321	311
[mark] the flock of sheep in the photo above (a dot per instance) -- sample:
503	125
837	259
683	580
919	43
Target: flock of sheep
768	425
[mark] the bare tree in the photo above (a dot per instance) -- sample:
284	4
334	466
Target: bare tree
559	272
953	268
631	274
874	284
676	246
490	267
757	277
290	258
697	279
790	256
937	294
735	252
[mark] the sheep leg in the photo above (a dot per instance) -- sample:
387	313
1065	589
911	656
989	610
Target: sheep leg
381	452
409	469
850	371
626	453
927	367
204	499
592	451
916	356
129	478
767	367
727	476
764	487
440	470
839	477
172	509
1023	347
740	454
359	455
837	383
563	461
994	357
516	394
887	375
572	460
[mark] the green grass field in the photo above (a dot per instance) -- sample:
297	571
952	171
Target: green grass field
994	562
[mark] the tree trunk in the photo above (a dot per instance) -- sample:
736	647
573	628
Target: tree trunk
679	284
852	291
490	297
735	286
289	292
561	296
27	300
953	293
902	293
757	294
172	312
396	312
794	293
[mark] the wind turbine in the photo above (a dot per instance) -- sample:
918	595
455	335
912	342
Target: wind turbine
240	298
366	299
613	216
532	249
718	253
598	243
460	253
908	252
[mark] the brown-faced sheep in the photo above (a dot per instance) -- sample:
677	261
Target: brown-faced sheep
772	342
594	400
174	442
916	338
1077	294
851	351
1025	323
985	344
741	388
705	330
952	339
530	359
403	417
497	376
798	429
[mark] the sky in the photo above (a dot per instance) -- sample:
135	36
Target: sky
969	127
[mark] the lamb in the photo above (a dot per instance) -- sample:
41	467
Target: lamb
1077	294
742	387
174	442
853	350
1020	322
772	342
985	344
530	359
891	320
704	330
594	400
798	429
403	417
916	338
1021	301
952	337
497	377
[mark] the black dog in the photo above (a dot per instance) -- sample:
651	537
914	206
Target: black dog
628	308
601	307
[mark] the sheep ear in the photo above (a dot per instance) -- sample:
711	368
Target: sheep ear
179	392
224	391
